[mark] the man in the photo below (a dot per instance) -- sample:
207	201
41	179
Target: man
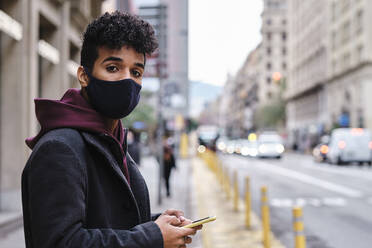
80	188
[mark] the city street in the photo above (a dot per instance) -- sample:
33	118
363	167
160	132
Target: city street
336	200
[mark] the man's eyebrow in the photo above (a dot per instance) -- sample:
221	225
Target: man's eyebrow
140	65
111	58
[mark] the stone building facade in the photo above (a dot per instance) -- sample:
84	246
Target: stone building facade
39	54
330	75
306	110
350	75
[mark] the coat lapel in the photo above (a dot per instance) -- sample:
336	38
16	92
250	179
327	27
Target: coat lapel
105	151
140	190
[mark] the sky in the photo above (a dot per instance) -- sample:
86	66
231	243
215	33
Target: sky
221	35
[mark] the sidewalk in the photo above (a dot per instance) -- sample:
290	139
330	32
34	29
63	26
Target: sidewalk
11	230
182	196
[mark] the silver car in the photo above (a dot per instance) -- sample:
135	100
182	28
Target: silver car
270	145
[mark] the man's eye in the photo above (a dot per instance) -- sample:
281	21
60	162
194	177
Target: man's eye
136	73
112	68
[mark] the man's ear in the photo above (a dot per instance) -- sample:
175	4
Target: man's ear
82	77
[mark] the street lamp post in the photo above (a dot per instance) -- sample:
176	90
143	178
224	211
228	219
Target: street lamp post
157	16
161	73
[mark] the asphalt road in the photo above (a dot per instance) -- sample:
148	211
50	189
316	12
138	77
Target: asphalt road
336	200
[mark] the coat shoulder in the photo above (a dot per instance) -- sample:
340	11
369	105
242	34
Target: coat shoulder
63	145
63	140
67	136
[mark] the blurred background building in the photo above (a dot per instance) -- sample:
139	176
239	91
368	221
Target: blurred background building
257	85
241	97
330	69
308	52
170	19
39	56
176	87
350	82
273	48
311	72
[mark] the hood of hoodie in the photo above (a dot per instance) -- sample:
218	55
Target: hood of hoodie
72	111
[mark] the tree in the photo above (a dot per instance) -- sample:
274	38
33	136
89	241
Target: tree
272	114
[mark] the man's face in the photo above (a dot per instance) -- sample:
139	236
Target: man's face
117	64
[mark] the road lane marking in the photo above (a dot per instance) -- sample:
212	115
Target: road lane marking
282	203
334	201
310	180
303	202
340	171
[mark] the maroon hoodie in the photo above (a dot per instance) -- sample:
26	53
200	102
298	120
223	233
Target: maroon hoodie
73	111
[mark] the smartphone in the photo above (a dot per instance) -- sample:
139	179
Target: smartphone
201	221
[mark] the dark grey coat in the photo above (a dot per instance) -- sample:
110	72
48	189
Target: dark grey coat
74	194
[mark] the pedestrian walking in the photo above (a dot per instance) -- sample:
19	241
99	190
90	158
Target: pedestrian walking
134	147
169	164
80	187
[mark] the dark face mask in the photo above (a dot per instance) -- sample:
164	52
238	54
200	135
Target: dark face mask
113	99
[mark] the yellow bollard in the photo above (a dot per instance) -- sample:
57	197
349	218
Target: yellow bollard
219	172
184	146
214	161
227	184
265	217
247	203
236	192
298	228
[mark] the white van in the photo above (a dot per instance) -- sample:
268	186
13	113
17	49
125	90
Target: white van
350	145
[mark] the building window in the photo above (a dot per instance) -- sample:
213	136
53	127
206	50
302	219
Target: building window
360	50
268	22
269	36
268	66
359	22
334	66
334	40
346	61
345	4
284	66
334	10
345	35
284	36
284	51
268	94
268	80
268	50
284	21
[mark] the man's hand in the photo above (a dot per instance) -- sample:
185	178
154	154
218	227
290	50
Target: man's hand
173	235
180	215
174	212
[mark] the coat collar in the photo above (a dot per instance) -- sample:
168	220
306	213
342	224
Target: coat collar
94	140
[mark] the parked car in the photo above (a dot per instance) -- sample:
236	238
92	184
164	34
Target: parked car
230	147
350	145
270	145
249	148
221	144
320	152
246	148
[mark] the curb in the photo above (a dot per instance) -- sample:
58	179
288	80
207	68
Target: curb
229	229
10	222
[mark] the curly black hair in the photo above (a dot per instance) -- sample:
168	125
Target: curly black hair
114	30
